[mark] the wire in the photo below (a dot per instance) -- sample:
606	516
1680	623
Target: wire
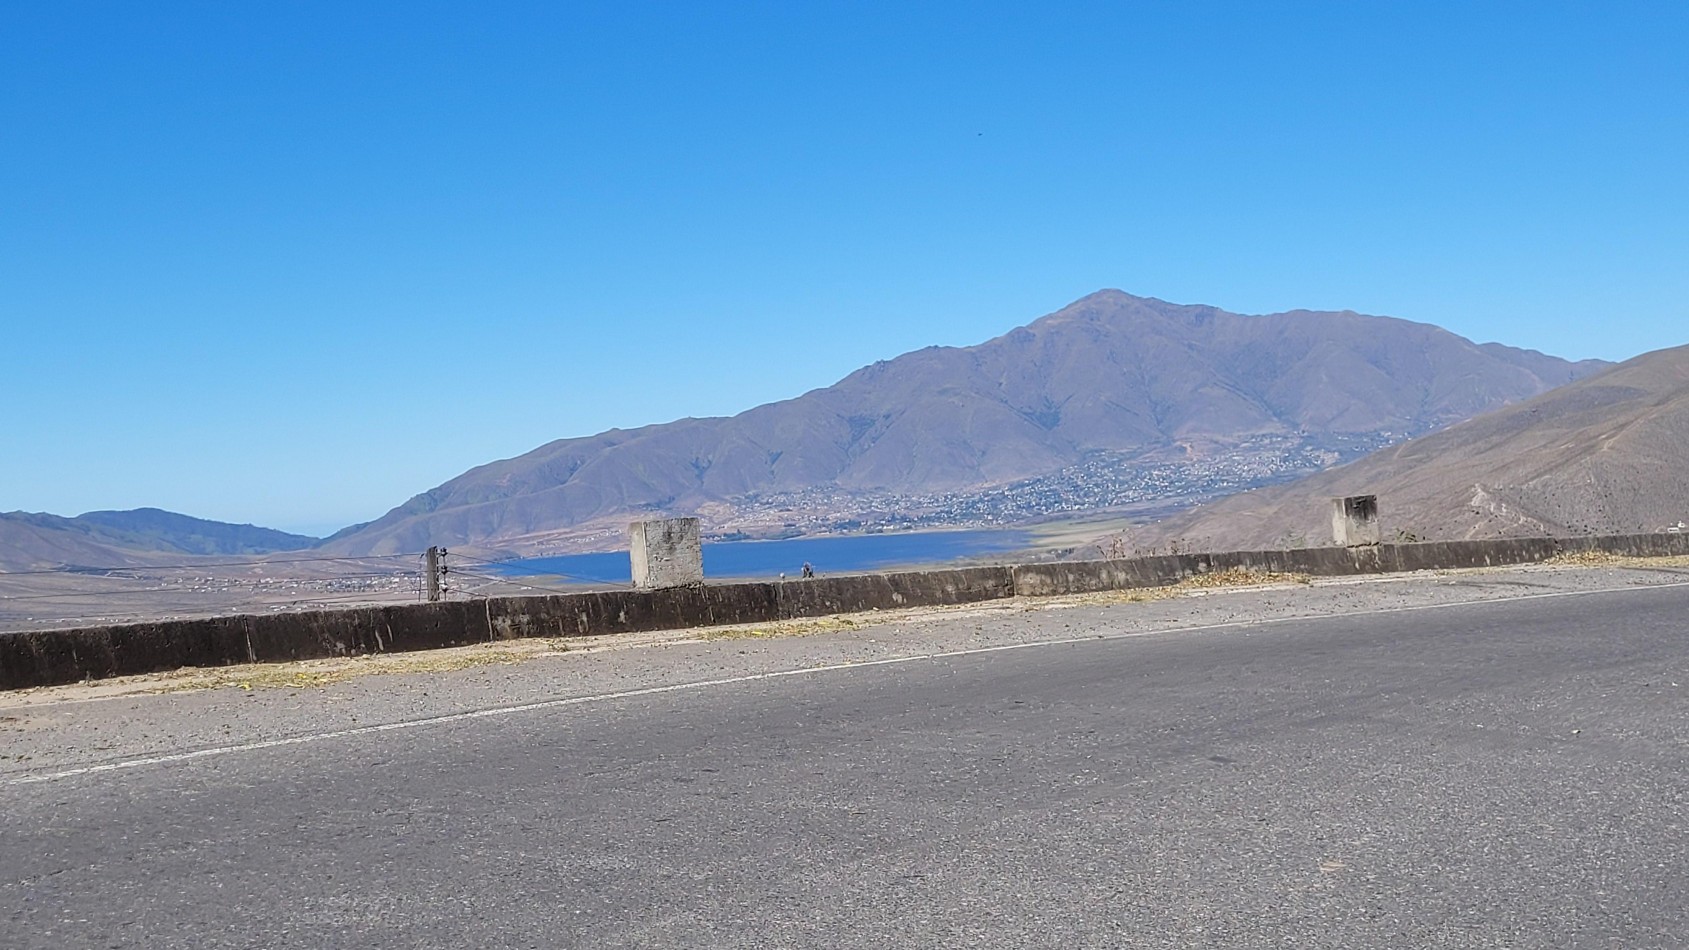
178	588
479	560
491	580
324	579
372	598
88	593
482	560
501	580
472	591
78	569
575	577
417	576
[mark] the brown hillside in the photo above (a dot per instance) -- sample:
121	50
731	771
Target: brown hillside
1606	455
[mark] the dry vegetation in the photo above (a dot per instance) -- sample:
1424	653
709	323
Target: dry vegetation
318	673
1600	559
315	674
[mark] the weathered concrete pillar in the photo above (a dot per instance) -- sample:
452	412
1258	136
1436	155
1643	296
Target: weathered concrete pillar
1354	521
666	553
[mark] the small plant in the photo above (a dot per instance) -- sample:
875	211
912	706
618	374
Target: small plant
1116	548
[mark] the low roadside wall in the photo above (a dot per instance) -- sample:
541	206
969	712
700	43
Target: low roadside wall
52	657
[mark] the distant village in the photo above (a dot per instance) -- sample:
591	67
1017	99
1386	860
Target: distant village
1102	481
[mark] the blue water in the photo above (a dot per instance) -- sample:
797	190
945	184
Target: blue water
846	554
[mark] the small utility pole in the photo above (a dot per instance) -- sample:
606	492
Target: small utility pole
434	574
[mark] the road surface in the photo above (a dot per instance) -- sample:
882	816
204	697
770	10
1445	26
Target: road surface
1474	760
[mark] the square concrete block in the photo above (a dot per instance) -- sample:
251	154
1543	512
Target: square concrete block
1354	521
666	553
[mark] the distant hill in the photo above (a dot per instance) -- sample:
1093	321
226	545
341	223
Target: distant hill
1110	373
1606	455
128	538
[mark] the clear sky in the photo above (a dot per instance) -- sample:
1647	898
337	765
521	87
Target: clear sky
292	263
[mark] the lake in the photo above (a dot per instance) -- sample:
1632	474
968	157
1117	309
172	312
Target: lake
839	554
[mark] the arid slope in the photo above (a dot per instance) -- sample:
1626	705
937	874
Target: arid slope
1608	454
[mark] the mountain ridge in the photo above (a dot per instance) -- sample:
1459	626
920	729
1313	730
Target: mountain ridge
1109	373
129	538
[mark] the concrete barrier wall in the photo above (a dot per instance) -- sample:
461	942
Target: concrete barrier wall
626	611
1079	577
1634	545
51	657
821	596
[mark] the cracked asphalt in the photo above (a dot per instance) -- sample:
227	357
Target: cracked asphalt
1470	759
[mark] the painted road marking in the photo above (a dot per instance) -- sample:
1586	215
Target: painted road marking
501	711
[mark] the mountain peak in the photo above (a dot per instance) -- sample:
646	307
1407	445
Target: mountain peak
1117	306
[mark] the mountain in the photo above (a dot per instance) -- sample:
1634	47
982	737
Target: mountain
168	531
1111	373
129	538
1606	455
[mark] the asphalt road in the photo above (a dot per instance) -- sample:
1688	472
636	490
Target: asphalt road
1492	774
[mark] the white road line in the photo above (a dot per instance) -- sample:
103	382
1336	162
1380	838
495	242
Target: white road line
501	711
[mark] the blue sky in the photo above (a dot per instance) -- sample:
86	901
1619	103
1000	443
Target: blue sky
293	263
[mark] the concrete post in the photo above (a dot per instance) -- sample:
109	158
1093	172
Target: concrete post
666	553
1354	521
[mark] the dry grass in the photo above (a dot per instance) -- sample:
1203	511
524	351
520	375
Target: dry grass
1241	577
317	674
785	628
1198	583
1602	559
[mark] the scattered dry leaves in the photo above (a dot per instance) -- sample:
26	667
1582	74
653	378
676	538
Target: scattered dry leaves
314	674
1603	559
782	628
